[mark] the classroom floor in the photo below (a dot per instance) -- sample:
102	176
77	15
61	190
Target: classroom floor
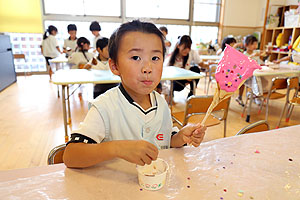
31	122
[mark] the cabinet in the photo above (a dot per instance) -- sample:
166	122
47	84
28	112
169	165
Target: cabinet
271	34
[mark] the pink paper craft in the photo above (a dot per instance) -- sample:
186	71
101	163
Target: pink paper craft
234	68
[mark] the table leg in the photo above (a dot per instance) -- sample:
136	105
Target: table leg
171	95
195	86
69	109
63	95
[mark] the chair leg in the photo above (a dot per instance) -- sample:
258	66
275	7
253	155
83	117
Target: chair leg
289	113
261	105
208	86
225	122
267	110
281	114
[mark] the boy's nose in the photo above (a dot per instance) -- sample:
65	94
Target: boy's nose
147	69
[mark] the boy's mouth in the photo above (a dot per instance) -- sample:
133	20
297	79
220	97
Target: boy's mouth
147	82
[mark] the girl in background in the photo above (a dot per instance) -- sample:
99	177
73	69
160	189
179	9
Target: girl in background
184	57
49	47
81	57
70	44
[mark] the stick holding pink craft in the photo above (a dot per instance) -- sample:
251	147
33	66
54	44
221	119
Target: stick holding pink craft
232	71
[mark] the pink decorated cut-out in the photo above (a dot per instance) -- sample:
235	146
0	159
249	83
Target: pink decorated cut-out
234	68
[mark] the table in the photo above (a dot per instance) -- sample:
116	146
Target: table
226	168
83	76
210	57
283	71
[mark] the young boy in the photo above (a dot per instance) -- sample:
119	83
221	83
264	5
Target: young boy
130	121
95	28
100	62
164	31
70	44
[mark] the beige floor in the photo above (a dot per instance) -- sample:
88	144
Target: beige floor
31	121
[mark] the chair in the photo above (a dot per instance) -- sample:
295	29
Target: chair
291	100
56	155
272	94
211	75
258	126
196	108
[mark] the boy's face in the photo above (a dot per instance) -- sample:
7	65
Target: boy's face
103	52
252	47
72	34
95	33
139	63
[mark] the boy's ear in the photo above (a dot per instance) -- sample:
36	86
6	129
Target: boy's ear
113	67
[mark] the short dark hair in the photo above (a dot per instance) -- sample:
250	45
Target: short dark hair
81	41
95	26
250	39
133	26
72	27
227	40
49	31
102	43
163	28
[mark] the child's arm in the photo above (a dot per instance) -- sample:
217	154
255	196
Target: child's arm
81	155
191	134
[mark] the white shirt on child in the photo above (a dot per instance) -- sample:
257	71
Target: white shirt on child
77	58
95	41
101	65
49	47
72	44
115	116
194	58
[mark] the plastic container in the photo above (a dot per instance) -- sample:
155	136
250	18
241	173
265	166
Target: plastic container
153	176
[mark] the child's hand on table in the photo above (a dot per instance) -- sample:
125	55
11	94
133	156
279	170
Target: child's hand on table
139	152
193	134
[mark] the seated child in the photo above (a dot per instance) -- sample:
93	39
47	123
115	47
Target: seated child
130	121
81	57
251	44
100	62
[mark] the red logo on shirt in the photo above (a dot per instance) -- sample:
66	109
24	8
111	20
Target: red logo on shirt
160	136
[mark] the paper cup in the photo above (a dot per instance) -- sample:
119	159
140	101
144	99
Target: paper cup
153	176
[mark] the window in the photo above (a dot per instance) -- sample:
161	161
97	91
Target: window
83	7
172	9
203	34
207	10
174	31
28	44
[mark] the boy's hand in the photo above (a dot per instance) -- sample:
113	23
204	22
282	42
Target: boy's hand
139	152
193	134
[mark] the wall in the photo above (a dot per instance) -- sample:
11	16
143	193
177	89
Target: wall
21	16
243	17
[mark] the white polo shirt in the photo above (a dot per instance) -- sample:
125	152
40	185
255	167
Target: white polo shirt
49	47
101	65
77	58
115	116
72	44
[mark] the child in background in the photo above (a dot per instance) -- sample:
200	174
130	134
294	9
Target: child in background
164	31
70	44
49	47
184	57
100	62
81	57
251	44
95	28
130	121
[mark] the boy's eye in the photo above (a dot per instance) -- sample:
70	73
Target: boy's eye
155	58
136	58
